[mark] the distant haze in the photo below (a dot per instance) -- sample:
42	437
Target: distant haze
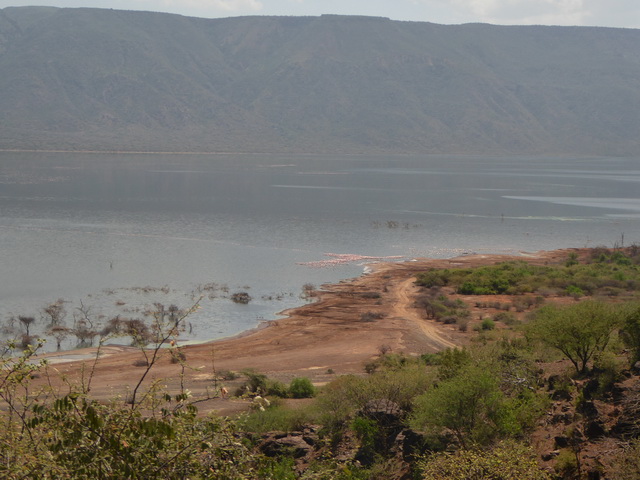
122	80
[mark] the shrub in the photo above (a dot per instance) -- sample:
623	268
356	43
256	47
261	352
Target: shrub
451	362
302	387
488	324
506	461
566	463
256	382
229	375
607	369
372	295
470	404
241	297
506	318
371	316
276	418
277	389
630	331
627	464
443	309
574	291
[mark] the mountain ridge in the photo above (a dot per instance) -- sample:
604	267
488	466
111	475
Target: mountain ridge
123	80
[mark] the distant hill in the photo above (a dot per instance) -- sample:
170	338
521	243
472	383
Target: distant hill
123	80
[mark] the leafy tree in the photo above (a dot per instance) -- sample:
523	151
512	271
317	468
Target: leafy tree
469	404
579	331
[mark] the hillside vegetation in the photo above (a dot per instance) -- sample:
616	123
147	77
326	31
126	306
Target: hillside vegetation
123	80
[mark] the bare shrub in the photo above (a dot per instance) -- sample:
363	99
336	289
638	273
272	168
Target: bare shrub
371	316
384	349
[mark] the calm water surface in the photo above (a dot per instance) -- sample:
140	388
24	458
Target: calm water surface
97	228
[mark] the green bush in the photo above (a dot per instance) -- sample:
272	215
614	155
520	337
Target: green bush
276	418
566	463
256	382
574	291
302	387
488	324
277	389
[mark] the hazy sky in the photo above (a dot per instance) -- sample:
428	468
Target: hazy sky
610	13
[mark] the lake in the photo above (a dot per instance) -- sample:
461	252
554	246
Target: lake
119	232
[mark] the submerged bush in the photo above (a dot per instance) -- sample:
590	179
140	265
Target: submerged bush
241	297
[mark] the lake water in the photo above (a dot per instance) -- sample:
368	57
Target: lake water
97	228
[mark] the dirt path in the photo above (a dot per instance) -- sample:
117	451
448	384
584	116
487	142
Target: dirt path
402	307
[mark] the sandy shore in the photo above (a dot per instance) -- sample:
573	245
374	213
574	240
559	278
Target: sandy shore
319	340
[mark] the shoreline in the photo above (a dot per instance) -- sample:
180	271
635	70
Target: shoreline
375	268
318	340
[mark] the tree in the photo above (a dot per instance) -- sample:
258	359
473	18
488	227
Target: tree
59	333
579	331
469	404
55	312
84	325
26	323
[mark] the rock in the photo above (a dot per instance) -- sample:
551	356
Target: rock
562	441
292	445
383	411
310	434
407	443
636	368
551	455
